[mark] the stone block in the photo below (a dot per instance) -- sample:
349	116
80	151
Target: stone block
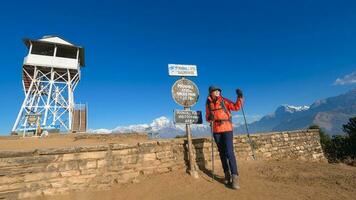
114	146
149	157
58	182
147	144
12	186
164	142
85	155
148	163
93	148
37	185
87	164
20	161
129	159
102	163
70	173
90	172
129	151
11	179
164	154
57	151
21	169
18	153
31	177
82	179
70	165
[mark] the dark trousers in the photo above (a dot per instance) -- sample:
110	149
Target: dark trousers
225	145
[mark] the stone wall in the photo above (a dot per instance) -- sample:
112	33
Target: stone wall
57	171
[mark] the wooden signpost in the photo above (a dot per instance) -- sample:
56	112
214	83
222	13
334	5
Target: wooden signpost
186	94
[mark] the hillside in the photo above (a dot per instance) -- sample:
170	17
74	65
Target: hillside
330	114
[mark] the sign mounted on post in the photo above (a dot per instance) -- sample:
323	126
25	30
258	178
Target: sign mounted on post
182	70
33	118
185	92
187	117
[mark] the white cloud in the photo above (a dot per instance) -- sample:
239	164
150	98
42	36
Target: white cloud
347	79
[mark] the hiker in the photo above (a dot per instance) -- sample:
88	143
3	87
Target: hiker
218	113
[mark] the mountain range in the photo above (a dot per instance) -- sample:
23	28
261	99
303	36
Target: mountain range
330	114
161	127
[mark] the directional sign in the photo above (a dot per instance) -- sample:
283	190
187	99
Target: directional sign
182	70
185	92
187	117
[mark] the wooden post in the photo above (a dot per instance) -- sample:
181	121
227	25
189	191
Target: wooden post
192	171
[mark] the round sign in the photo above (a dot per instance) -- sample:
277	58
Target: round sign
185	92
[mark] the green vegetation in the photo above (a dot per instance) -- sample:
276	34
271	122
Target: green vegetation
340	148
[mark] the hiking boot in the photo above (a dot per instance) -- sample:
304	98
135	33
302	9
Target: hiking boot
227	179
235	182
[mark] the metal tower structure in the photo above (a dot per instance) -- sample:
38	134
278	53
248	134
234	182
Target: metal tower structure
50	74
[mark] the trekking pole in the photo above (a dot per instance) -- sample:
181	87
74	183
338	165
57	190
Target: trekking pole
248	134
212	150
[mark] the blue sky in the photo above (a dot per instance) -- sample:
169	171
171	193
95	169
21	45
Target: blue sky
277	52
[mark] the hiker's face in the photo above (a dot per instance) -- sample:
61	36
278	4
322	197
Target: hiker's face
216	93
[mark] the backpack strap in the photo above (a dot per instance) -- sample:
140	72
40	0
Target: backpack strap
208	101
222	104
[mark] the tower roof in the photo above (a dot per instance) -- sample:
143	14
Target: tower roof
57	41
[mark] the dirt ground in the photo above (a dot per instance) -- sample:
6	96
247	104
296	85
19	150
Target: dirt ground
9	143
259	180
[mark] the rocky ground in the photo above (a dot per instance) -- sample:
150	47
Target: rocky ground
259	180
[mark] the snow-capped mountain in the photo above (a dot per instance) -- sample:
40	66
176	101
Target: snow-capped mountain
270	121
160	127
330	114
293	109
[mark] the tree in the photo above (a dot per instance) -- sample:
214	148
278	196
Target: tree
350	129
339	147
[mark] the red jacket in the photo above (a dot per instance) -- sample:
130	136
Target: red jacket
222	117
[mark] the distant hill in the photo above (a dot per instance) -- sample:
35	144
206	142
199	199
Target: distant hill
330	114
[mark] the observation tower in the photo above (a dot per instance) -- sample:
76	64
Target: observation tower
50	74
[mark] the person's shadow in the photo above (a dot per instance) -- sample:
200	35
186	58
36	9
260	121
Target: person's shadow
202	160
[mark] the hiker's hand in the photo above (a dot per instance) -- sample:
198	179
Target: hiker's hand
239	93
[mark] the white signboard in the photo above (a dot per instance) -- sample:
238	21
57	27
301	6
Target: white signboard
187	117
182	70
